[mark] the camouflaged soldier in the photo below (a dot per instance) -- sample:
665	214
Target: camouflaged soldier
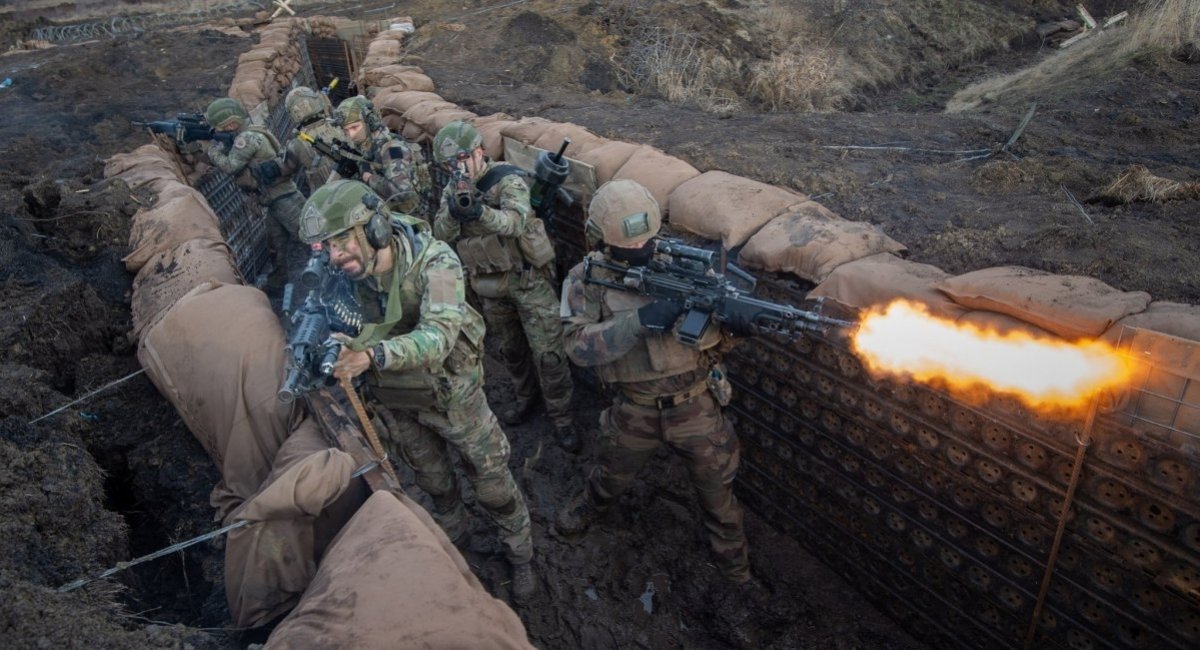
395	168
421	348
310	111
485	213
280	197
666	390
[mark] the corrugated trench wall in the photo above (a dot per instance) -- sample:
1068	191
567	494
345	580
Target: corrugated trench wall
943	512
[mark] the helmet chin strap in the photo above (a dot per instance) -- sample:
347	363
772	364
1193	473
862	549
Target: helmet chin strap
370	255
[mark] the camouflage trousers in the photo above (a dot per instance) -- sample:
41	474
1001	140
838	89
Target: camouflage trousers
283	234
629	436
529	334
461	418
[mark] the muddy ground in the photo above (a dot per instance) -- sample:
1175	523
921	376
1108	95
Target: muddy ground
119	475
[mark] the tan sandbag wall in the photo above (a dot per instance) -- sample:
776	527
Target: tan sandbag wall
215	349
942	511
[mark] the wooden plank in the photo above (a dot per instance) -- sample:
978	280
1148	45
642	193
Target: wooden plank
335	422
581	181
1086	16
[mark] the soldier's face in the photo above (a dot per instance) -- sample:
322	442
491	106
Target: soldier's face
356	131
347	256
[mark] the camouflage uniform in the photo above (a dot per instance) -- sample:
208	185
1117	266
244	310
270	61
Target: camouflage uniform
516	292
432	381
281	198
299	154
399	172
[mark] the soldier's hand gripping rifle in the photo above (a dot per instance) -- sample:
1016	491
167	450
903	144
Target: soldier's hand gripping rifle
329	308
348	162
189	127
550	171
687	276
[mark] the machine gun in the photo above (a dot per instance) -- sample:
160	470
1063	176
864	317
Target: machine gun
329	308
348	161
686	275
189	127
550	171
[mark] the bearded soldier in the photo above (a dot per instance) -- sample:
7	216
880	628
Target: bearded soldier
666	392
485	213
394	167
421	352
280	197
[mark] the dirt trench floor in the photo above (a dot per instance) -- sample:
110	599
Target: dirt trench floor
119	475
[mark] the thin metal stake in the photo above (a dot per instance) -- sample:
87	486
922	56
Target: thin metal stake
98	390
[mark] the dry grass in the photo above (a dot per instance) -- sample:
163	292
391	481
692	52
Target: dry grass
1138	184
1162	27
805	80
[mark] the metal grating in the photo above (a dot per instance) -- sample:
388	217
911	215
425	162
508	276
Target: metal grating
241	220
945	511
331	59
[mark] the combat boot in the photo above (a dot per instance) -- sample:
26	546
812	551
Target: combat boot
516	411
568	437
523	583
575	517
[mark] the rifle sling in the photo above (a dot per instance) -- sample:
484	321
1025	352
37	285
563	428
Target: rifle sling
495	174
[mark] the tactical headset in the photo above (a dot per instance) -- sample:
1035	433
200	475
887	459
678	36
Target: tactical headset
378	228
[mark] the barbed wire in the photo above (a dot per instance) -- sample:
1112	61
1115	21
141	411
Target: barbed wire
140	23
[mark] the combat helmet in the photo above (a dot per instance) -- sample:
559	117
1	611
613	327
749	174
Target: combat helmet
335	208
221	112
455	138
305	105
356	109
622	213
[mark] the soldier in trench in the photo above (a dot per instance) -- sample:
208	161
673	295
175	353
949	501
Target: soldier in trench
279	197
421	350
394	167
310	111
510	262
666	392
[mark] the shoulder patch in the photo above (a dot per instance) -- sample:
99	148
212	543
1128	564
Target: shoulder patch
396	152
240	141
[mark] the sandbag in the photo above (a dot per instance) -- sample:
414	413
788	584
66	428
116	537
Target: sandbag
393	580
154	177
389	102
1173	318
719	205
422	113
879	279
398	77
167	225
218	357
607	157
997	323
269	563
491	129
147	154
527	129
810	241
581	139
445	116
657	172
171	274
1071	306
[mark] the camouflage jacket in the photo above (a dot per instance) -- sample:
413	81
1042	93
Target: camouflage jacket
298	154
249	147
601	330
398	172
418	309
506	209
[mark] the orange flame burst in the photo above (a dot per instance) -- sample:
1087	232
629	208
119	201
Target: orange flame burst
905	339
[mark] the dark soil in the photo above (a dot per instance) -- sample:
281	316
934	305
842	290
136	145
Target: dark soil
119	475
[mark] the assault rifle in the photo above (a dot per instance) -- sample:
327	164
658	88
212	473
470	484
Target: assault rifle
686	275
329	308
549	173
348	161
189	127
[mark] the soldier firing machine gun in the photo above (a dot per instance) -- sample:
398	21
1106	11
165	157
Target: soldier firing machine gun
329	308
189	127
686	276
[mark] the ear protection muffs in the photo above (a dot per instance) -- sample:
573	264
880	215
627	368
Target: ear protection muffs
378	228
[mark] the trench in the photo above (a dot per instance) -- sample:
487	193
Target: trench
939	511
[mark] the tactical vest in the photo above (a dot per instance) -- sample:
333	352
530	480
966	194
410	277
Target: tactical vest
489	254
415	387
656	355
246	180
317	168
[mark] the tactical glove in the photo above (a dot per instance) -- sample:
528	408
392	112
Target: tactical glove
224	138
659	315
266	172
466	206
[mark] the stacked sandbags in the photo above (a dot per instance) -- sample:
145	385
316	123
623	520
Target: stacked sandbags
875	281
810	241
429	117
657	172
327	26
395	78
606	158
719	205
148	166
392	579
171	274
491	129
265	71
218	356
179	215
393	104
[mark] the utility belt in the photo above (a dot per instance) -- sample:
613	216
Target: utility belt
663	402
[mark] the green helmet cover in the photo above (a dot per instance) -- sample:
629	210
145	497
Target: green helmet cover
222	110
355	109
304	103
334	208
453	139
